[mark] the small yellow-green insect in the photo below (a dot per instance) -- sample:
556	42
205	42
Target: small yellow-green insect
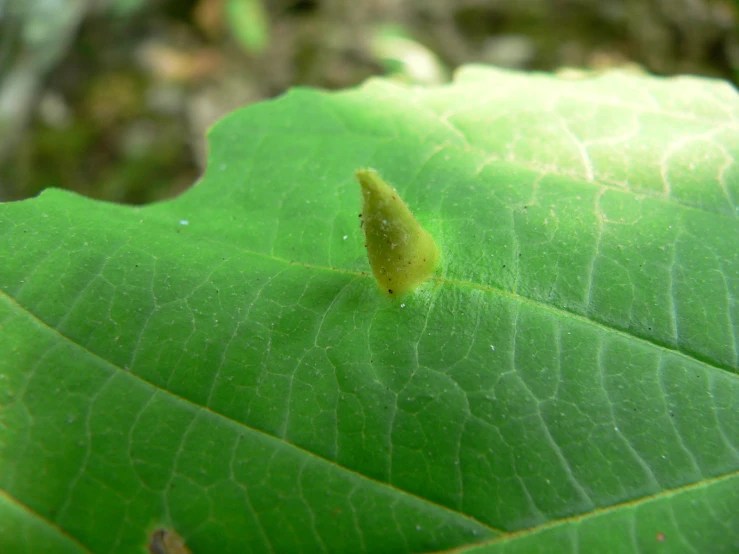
401	253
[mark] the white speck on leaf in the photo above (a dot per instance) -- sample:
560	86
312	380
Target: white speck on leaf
492	347
346	237
402	305
184	222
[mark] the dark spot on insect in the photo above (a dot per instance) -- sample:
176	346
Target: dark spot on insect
390	291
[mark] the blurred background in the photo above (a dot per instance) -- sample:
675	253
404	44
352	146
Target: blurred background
112	98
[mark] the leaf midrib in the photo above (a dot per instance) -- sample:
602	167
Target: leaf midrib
714	364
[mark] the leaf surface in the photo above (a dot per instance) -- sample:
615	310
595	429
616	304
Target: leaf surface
223	364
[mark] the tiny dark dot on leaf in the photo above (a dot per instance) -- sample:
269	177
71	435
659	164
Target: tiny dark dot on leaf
390	291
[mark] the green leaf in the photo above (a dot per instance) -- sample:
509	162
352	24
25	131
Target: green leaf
224	366
249	23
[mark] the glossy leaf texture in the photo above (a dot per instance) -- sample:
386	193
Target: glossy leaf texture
224	366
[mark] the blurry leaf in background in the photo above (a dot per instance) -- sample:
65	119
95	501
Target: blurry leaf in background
249	24
405	59
125	8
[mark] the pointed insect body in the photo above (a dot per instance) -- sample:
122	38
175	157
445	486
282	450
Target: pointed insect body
402	254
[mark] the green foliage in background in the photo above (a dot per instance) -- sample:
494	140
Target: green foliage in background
223	364
249	23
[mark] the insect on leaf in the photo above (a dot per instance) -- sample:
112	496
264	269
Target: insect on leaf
402	254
